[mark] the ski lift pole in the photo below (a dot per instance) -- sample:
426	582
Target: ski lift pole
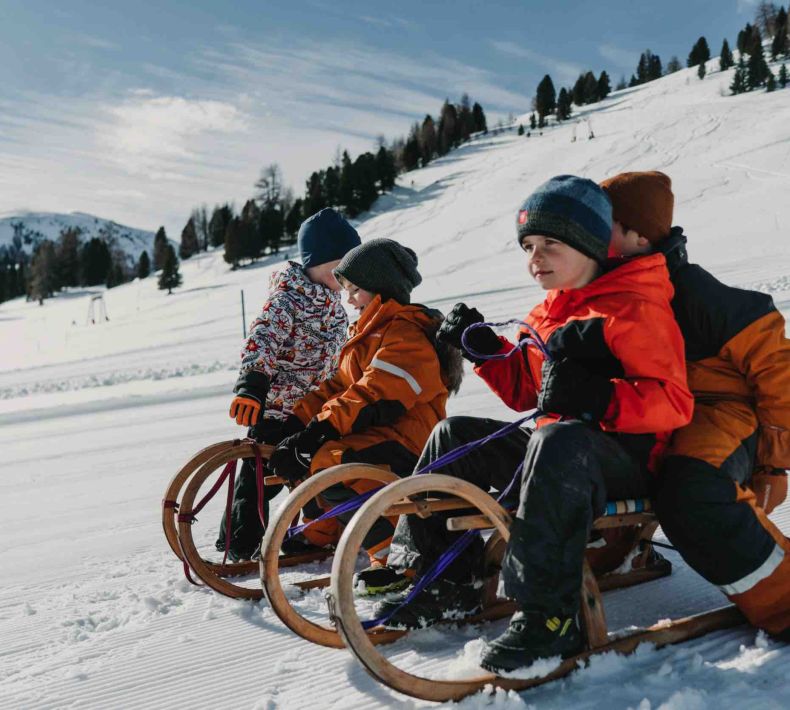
243	319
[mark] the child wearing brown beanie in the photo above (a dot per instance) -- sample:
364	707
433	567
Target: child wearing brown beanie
726	469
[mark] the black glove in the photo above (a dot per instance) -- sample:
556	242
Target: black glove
292	458
292	425
570	389
481	340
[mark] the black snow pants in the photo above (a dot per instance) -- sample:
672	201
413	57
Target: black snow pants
246	530
570	470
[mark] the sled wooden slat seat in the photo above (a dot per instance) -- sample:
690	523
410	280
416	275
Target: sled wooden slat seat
340	597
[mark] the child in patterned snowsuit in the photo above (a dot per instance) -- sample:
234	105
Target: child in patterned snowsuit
725	471
292	347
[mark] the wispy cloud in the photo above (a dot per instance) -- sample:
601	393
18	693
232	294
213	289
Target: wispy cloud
621	58
146	133
147	147
96	42
565	72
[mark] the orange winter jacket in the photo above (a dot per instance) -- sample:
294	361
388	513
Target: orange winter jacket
620	325
738	360
389	378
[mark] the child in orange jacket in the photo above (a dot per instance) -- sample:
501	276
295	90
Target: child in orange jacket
726	470
387	395
610	387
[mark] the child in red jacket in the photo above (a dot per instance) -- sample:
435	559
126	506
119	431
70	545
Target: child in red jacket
610	392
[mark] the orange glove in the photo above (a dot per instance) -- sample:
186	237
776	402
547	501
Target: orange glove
245	410
770	487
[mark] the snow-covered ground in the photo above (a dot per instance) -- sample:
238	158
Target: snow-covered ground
95	419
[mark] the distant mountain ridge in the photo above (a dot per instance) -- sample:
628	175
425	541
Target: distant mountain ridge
24	231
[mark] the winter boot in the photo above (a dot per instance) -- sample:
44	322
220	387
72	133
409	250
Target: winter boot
441	600
533	635
379	579
299	545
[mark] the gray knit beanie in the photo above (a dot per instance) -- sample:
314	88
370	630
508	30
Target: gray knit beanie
381	266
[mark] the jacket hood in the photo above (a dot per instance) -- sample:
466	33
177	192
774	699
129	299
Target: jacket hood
293	278
646	277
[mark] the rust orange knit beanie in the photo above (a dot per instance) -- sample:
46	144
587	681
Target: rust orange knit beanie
642	201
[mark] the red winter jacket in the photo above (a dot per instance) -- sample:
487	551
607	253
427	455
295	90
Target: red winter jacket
620	325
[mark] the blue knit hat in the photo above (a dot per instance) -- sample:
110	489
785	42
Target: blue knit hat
572	209
326	236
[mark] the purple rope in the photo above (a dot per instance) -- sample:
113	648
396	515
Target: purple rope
532	339
444	460
345	507
442	563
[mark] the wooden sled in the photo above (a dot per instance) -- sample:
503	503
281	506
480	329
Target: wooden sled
177	518
406	493
271	560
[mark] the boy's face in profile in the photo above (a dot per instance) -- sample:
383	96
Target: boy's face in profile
627	242
357	297
555	265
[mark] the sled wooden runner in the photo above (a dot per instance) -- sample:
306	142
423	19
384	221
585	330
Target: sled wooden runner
342	609
186	484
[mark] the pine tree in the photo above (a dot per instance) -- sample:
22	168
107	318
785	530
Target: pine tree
590	90
346	189
532	122
545	99
654	69
95	262
521	128
739	85
744	39
563	108
479	118
410	154
701	70
43	272
577	92
673	65
725	57
116	274
428	139
200	220
783	76
218	223
757	70
189	240
622	84
253	241
170	277
143	266
160	248
779	45
604	86
331	185
315	198
465	120
700	52
293	219
67	252
385	168
770	84
233	243
447	130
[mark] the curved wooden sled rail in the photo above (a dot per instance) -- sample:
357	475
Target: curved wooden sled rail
191	478
271	562
342	610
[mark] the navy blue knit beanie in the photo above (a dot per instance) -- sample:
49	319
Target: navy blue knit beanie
572	209
326	236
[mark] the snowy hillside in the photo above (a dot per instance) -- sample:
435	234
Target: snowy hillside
25	230
95	419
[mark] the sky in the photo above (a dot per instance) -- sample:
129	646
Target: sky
141	111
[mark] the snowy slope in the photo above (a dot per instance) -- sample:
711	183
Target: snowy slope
94	419
33	227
